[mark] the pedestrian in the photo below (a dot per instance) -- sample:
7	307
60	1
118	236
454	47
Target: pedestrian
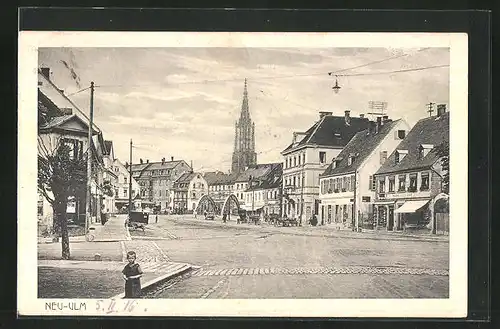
132	273
156	219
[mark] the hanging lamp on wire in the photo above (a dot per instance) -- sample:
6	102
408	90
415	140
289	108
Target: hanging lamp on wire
335	88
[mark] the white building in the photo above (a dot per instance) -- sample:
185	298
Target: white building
122	187
346	186
309	155
188	190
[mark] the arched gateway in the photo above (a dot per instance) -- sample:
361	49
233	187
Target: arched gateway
206	203
227	204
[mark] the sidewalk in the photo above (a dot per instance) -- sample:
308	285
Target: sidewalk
84	279
317	231
113	230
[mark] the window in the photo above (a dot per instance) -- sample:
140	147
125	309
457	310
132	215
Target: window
299	160
344	184
372	183
396	157
391	183
194	194
413	183
401	134
424	181
402	183
294	181
294	161
383	157
125	180
350	160
116	192
381	185
125	193
322	157
348	183
159	193
75	147
303	179
303	158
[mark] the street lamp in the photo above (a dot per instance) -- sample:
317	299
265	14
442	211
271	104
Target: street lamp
335	88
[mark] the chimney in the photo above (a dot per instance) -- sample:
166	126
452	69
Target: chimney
126	165
379	123
361	115
162	161
441	109
45	72
172	158
324	114
141	161
385	118
347	116
147	160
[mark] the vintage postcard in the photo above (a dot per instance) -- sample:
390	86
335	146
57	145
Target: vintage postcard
242	174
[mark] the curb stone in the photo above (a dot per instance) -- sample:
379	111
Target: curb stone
162	278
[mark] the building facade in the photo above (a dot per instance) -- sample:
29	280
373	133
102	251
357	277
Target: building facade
188	189
264	192
60	121
244	154
110	178
309	155
409	183
346	193
156	180
220	186
248	178
122	187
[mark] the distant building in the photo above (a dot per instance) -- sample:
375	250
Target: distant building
220	186
188	190
248	182
309	155
156	180
264	192
244	154
122	188
346	187
409	183
109	177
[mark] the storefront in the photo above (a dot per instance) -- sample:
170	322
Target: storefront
413	214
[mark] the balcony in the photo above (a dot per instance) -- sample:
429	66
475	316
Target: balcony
289	189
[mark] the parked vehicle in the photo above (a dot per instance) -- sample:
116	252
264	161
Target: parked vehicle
138	220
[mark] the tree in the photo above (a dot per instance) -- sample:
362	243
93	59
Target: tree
443	151
60	175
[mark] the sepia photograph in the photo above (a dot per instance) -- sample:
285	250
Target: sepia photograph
258	170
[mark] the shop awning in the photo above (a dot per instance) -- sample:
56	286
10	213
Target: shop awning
411	206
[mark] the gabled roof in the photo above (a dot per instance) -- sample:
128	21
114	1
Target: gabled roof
59	121
433	130
220	178
271	180
165	165
360	146
322	133
256	171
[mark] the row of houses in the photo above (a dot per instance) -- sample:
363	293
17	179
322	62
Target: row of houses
356	173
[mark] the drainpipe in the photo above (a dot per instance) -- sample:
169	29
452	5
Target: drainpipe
354	210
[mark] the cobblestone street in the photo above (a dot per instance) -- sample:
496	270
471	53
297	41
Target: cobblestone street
246	261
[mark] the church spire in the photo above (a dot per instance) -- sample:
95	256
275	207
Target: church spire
245	112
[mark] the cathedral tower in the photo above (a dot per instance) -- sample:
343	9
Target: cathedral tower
244	138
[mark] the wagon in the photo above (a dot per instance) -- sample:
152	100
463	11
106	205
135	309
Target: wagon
138	220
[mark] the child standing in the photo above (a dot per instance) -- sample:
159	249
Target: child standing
132	273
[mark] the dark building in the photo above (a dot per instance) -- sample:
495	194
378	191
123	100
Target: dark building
244	154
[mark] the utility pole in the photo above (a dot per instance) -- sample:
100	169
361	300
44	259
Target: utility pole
130	182
430	110
88	213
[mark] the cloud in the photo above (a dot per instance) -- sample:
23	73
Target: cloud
184	101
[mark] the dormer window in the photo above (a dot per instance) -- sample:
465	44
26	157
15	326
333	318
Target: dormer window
336	135
350	160
400	134
399	155
424	149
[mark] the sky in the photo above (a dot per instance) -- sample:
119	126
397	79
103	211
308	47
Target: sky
183	102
